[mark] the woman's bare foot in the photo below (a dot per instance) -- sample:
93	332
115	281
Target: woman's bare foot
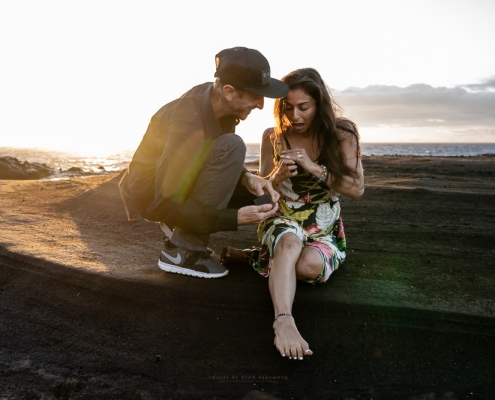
231	255
288	340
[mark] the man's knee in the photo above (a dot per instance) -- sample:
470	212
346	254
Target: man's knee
230	144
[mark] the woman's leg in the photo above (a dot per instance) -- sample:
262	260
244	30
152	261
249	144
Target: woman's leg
319	260
309	265
282	284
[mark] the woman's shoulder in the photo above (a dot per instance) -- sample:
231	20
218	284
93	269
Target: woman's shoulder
268	135
346	129
344	124
268	132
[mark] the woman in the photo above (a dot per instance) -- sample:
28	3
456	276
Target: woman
312	156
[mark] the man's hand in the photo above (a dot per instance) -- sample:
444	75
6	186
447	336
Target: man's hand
258	186
255	214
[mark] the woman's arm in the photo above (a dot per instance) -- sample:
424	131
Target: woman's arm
266	154
275	173
351	186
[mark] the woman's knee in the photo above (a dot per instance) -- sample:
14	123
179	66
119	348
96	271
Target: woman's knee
309	265
289	242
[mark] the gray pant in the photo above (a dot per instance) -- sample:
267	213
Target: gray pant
215	185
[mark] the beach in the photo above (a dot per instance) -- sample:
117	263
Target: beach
87	314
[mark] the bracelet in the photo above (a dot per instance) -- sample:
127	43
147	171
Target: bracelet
324	174
282	315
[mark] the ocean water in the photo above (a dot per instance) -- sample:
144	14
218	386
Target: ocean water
428	149
410	149
62	161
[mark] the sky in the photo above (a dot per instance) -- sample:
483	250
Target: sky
86	76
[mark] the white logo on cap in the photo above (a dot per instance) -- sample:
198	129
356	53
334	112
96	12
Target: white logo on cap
265	76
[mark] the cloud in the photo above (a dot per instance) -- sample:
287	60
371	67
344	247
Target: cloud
421	105
486	86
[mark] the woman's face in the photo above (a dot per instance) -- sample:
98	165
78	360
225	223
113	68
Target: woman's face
300	110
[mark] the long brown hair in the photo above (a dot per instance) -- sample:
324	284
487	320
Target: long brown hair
327	120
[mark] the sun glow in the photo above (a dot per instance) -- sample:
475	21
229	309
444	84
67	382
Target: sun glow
88	77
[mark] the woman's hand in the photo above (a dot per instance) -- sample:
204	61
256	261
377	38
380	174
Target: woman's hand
300	157
286	168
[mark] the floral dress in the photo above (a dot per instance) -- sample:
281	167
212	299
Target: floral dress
310	211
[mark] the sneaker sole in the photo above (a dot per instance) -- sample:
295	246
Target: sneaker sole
184	271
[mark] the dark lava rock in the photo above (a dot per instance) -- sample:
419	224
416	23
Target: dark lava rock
12	168
75	169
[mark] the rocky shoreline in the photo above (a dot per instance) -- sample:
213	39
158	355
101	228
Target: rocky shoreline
12	168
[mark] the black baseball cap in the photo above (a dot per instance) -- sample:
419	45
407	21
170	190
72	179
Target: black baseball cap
248	69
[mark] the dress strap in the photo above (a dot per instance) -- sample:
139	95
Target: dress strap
286	140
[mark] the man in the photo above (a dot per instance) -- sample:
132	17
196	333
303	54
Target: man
190	163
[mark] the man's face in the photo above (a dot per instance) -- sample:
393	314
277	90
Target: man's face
243	102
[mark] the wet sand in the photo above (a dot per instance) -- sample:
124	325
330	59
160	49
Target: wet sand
86	313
